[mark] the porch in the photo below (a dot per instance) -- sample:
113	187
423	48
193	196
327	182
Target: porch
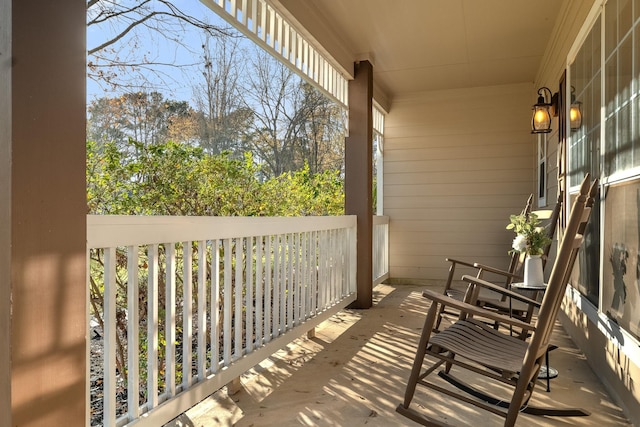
353	373
443	161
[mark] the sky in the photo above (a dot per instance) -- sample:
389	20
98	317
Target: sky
174	82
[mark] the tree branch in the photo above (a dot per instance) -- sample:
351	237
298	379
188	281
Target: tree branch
122	34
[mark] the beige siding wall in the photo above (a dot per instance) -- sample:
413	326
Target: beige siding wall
457	164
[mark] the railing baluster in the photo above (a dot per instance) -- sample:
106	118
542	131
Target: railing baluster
340	270
259	292
237	321
249	295
283	285
187	315
110	331
291	251
299	275
253	17
275	322
263	21
297	278
170	320
332	268
314	273
133	335
226	313
202	309
304	283
339	264
324	284
244	12
268	289
152	328
215	306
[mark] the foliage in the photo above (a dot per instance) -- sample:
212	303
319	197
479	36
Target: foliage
146	117
178	179
530	238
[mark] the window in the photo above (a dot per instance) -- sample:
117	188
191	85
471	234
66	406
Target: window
604	76
542	169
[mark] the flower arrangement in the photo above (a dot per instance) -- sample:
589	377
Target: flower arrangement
530	238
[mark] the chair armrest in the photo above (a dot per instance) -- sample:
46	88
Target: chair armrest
465	263
474	310
499	289
496	271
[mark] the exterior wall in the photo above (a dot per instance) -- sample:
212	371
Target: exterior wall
47	225
617	371
615	366
457	164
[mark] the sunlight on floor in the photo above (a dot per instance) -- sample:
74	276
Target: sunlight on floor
354	373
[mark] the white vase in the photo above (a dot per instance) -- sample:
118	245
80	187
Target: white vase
533	273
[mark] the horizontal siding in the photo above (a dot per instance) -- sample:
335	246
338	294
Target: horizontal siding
456	165
488	175
429	190
449	201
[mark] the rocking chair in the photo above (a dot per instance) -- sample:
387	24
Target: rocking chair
472	345
521	309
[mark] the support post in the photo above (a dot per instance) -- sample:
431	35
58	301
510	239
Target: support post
43	206
358	176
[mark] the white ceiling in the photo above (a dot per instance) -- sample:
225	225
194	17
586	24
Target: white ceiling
419	45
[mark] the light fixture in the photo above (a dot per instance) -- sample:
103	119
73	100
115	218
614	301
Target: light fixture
543	110
575	112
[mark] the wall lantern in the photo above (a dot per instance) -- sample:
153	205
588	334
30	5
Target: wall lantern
543	110
575	112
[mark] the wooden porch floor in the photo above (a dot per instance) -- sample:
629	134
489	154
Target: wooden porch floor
354	371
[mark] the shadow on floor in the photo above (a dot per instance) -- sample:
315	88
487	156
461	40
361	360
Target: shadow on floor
354	371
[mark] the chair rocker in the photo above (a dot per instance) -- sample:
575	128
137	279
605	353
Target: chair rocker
474	346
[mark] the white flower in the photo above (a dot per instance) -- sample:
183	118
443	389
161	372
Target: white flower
519	243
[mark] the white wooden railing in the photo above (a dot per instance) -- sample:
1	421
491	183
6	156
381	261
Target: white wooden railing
184	305
380	249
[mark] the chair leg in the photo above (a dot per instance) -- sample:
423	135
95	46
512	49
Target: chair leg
433	312
518	397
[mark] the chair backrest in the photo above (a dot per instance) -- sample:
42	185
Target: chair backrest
562	268
551	226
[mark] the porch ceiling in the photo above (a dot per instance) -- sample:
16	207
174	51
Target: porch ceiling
421	45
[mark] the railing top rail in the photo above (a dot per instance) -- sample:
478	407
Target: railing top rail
124	230
380	219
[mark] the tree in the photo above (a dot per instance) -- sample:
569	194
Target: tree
270	92
293	122
222	118
320	130
126	27
145	117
